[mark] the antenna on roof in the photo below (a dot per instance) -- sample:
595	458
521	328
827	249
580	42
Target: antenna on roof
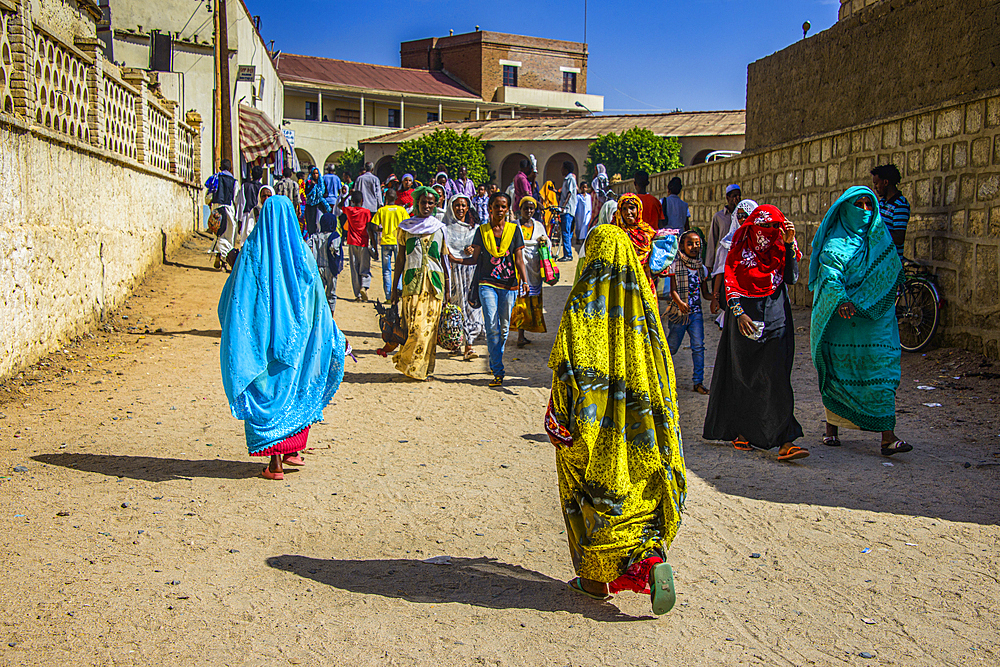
451	32
477	28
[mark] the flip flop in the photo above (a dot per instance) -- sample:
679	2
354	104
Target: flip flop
470	355
831	441
898	447
742	445
292	460
575	585
663	595
267	474
793	453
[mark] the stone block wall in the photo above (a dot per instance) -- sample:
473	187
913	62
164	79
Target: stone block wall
949	156
101	178
886	58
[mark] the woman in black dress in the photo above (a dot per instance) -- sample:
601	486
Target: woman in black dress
752	402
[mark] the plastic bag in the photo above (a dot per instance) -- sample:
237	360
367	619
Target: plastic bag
550	273
663	251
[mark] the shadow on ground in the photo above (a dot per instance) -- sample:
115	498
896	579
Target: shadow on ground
481	582
207	333
152	469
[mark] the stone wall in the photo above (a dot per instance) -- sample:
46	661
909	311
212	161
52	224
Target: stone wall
949	156
101	179
77	232
888	58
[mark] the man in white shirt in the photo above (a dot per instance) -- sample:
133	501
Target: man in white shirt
567	209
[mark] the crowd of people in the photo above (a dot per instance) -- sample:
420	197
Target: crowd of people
467	256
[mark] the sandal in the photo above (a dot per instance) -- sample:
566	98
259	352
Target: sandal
794	452
522	343
267	474
831	441
742	445
576	585
497	381
663	595
470	355
898	447
292	460
700	389
382	353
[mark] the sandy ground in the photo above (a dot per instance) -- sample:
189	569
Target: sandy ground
138	532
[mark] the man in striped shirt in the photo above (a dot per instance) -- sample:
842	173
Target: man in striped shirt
892	205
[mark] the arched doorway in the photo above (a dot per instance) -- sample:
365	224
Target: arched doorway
384	167
305	159
333	158
553	168
509	168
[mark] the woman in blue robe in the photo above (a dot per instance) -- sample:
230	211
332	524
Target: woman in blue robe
282	355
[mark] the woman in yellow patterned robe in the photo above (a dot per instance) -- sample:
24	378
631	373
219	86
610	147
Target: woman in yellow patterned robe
613	418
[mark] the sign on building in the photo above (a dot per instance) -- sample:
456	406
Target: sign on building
246	73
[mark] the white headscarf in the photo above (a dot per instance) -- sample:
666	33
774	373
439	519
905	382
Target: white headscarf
722	250
607	213
600	182
458	235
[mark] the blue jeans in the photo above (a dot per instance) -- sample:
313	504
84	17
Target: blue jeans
695	329
497	304
567	234
388	261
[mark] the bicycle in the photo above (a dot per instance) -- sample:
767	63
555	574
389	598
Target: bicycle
918	307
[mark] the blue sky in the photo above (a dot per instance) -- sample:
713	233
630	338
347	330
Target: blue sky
690	54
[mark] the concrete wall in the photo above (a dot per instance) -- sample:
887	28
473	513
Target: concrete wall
68	255
890	58
949	155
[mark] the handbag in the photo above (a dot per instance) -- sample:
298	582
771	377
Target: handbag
473	296
215	222
550	272
519	313
450	330
390	324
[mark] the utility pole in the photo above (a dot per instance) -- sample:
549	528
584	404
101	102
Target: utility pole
217	96
226	137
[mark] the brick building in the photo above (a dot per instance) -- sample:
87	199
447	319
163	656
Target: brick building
533	75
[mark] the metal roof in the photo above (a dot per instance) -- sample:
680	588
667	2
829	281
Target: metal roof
342	73
582	128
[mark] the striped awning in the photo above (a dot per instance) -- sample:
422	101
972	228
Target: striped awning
258	135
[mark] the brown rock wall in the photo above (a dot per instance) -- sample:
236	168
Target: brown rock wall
950	159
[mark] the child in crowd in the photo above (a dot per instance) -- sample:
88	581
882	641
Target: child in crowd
687	284
479	204
355	219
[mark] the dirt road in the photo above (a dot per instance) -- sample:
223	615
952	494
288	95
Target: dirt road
138	532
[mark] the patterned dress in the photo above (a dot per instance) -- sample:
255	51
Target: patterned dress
613	416
420	304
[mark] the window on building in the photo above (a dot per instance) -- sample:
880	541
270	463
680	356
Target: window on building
569	82
394	118
432	116
510	76
352	116
312	110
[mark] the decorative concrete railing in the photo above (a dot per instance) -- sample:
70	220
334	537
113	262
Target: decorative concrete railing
68	88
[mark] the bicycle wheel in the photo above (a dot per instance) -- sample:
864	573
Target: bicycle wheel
917	313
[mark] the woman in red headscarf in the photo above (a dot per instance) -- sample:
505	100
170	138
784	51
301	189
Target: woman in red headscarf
752	402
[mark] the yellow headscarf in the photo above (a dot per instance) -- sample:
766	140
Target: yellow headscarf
550	197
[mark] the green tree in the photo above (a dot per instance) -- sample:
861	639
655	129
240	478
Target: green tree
633	149
351	161
448	148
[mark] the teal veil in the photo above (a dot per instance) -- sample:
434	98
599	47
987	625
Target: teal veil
282	355
854	261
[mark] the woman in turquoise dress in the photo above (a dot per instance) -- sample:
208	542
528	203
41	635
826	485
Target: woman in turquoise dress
281	353
855	273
